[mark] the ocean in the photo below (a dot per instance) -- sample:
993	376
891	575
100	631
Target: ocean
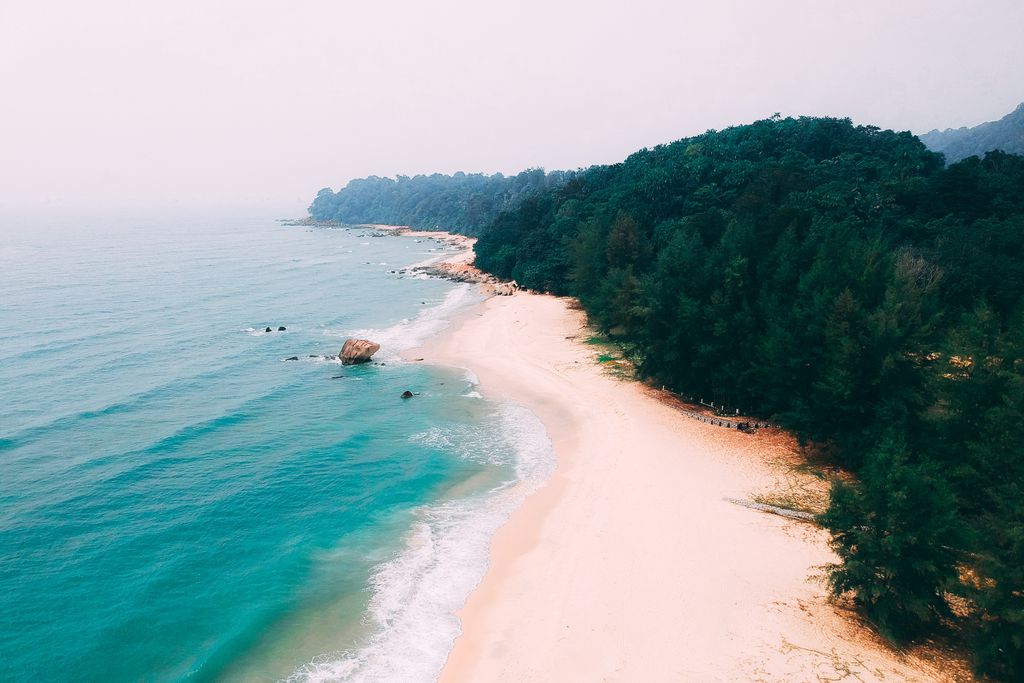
179	502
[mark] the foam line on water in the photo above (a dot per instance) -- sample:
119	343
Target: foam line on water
431	260
411	332
416	594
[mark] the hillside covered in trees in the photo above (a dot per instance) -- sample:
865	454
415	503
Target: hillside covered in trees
837	278
842	280
1006	134
464	203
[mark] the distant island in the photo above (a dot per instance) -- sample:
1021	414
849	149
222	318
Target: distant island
1006	134
843	281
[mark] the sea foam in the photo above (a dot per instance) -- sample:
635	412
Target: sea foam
412	332
416	594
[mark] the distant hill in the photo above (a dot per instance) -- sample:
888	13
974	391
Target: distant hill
1006	134
463	202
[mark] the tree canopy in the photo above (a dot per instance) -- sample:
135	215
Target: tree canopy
842	280
464	203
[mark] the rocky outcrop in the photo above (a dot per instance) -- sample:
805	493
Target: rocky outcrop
506	288
462	272
456	272
357	351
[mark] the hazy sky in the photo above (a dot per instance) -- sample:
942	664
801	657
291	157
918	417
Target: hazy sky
266	102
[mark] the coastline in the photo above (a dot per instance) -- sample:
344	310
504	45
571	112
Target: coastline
631	563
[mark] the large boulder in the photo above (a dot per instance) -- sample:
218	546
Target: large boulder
357	351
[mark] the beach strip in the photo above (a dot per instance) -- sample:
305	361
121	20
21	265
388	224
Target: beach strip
631	563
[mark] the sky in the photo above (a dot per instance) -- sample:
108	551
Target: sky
257	103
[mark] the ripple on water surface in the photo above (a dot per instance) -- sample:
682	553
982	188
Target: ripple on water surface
176	502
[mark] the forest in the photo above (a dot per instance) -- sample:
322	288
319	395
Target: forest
844	282
840	280
463	202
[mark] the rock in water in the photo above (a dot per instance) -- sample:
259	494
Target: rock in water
268	330
357	351
282	328
292	358
406	394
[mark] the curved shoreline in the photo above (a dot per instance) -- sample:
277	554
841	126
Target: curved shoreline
630	563
633	562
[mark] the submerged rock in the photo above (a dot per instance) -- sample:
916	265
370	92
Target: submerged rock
357	351
292	358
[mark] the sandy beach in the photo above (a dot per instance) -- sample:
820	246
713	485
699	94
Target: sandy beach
631	564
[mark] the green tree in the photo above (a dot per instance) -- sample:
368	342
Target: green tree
998	634
895	532
623	241
836	278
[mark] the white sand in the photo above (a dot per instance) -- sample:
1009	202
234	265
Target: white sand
629	565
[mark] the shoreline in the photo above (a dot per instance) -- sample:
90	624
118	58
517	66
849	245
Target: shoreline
633	562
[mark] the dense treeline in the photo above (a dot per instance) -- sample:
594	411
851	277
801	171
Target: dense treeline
841	279
462	202
1006	134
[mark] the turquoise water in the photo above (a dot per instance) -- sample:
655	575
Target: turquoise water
178	502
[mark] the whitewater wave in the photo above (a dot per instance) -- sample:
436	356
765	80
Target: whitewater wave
416	594
412	332
262	331
433	259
